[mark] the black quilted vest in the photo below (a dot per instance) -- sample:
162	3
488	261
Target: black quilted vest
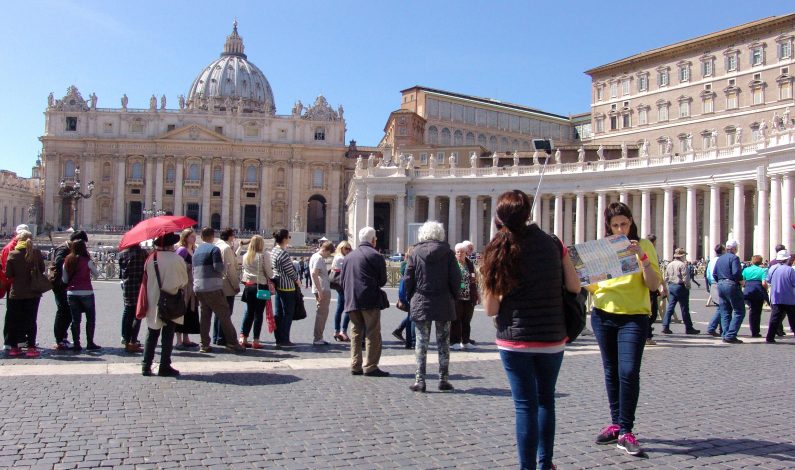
534	310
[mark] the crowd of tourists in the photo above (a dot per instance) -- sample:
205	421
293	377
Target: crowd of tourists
183	288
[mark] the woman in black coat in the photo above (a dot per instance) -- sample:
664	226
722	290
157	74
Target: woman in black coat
432	281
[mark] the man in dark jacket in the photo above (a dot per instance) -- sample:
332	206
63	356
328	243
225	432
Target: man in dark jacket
131	273
363	274
63	316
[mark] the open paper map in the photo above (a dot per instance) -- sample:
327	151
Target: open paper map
602	259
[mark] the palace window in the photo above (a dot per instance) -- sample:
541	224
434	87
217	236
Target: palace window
643	116
219	130
470	139
684	72
785	90
445	140
137	126
599	93
106	171
137	171
69	169
218	175
252	130
320	133
317	178
439	158
732	100
731	136
423	159
708	104
71	124
613	89
662	111
759	95
684	106
170	174
626	120
625	86
193	172
613	122
482	140
600	124
433	135
458	138
643	82
663	77
170	127
784	46
251	174
683	143
707	66
757	55
731	60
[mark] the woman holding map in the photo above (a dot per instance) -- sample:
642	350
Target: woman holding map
620	321
524	270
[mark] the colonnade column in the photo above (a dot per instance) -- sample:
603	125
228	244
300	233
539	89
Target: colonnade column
121	174
681	235
762	216
714	219
545	214
493	212
370	221
179	172
567	228
452	221
668	224
236	191
658	218
400	222
786	210
473	222
637	210
590	217
205	222
691	228
264	200
601	199
705	224
775	215
579	215
739	217
159	181
431	208
537	210
226	203
558	223
645	212
623	197
149	186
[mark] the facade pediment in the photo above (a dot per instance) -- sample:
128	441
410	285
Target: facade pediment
193	132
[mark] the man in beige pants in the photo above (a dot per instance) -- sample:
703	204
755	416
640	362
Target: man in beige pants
321	288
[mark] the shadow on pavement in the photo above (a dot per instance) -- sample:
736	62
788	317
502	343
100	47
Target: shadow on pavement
719	446
242	378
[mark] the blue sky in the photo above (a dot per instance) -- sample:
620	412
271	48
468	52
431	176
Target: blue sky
357	53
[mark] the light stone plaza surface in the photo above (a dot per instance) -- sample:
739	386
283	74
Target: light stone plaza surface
703	404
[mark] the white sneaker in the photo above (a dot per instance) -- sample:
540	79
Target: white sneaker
466	345
457	346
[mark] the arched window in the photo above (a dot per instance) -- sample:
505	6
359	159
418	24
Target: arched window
193	172
504	144
137	172
493	144
170	173
106	171
316	214
482	140
69	169
251	174
470	138
515	145
458	138
445	136
433	135
218	175
280	177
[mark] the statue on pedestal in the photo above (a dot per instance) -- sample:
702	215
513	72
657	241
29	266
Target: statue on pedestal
452	161
581	154
535	157
93	98
738	135
181	102
431	161
600	153
296	222
298	108
124	101
371	161
644	149
713	138
515	158
689	141
473	160
410	164
557	156
153	103
50	100
340	111
624	151
163	102
763	129
787	121
669	146
495	160
359	163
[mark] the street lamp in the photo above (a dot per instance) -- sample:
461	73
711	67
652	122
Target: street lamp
72	192
153	211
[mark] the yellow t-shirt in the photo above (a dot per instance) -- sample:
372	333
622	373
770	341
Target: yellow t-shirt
627	294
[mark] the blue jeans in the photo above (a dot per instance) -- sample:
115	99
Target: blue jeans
731	301
621	340
285	309
341	319
719	317
677	293
77	305
533	377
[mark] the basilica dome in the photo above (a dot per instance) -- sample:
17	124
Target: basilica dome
232	83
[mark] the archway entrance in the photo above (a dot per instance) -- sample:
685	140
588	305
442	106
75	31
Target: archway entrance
316	214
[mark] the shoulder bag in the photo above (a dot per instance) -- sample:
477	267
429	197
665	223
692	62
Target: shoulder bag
300	309
169	306
38	281
262	294
573	306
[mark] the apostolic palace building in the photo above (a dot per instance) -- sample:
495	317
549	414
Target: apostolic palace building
697	137
223	157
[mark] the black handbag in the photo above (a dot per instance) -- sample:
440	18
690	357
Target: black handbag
574	313
169	306
300	309
335	279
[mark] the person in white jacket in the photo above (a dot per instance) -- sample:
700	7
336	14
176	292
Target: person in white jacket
174	276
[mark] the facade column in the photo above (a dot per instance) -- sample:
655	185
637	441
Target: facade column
775	215
493	212
358	214
236	191
668	224
121	179
473	221
558	222
264	196
206	187
545	213
149	181
787	209
579	216
86	205
481	235
179	172
568	202
370	221
431	207
159	180
296	205
714	218
590	217
400	222
338	203
645	212
452	221
601	203
681	230
691	227
705	226
658	218
226	190
739	217
761	241
51	175
636	211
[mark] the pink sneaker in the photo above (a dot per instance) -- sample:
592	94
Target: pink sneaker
15	352
33	353
608	435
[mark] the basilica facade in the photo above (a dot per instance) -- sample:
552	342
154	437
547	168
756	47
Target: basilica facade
697	137
222	156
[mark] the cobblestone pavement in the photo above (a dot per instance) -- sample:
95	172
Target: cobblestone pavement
703	404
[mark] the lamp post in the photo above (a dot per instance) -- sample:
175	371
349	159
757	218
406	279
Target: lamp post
72	192
153	211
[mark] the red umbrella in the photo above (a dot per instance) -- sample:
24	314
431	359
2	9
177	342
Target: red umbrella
153	228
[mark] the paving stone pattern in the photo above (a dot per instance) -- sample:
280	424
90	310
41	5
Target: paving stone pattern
703	405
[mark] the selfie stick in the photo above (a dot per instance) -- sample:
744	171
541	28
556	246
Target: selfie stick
540	179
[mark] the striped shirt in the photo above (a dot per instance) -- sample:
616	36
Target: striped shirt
283	269
208	268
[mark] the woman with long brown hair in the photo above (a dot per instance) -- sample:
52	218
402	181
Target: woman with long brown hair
23	299
78	267
524	271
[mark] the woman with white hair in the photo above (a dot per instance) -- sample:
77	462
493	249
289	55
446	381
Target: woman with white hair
432	282
465	301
